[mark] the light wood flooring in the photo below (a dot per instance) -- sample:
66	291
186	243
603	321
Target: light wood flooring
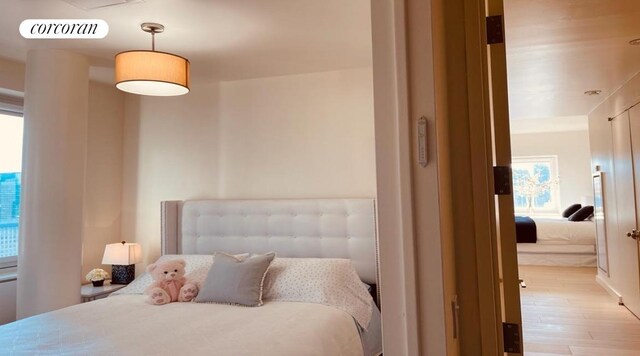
565	312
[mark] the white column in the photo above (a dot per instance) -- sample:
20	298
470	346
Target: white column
51	218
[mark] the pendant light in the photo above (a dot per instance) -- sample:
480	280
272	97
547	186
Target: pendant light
154	73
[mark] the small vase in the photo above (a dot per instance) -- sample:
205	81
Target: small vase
99	283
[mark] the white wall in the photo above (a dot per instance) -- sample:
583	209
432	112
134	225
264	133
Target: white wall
56	111
574	160
602	156
103	180
7	302
170	153
308	135
11	75
298	136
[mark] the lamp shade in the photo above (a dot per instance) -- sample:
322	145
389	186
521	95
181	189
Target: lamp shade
122	254
152	73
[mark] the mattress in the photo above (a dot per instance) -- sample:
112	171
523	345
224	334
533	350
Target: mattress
557	255
126	325
556	259
552	248
563	231
560	243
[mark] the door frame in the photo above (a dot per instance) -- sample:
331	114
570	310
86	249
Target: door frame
471	92
507	254
427	62
411	289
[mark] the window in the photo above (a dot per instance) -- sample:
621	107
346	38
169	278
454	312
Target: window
11	128
535	184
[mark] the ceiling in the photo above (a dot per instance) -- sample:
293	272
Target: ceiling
223	39
550	124
558	49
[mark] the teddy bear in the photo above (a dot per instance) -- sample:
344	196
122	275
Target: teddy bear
169	283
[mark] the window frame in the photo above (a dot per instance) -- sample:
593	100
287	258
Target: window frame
8	262
552	160
13	106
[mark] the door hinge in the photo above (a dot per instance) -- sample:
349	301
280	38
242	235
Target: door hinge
502	180
511	337
495	30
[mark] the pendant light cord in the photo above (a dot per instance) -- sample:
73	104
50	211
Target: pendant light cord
153	41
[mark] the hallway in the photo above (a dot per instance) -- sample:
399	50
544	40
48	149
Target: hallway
565	312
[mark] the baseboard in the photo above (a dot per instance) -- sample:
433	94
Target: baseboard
604	284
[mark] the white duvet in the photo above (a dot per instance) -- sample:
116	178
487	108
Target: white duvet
563	231
126	325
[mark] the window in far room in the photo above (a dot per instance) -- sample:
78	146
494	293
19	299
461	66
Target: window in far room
535	184
11	129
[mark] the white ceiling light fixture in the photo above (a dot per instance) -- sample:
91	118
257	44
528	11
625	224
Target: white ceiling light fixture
153	73
593	92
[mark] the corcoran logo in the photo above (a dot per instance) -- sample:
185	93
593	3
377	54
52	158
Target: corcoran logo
63	29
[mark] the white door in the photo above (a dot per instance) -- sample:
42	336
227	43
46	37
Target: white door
623	169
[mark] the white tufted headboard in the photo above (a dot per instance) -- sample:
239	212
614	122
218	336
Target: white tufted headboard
325	228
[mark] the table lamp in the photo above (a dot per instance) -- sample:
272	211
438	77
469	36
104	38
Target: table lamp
122	257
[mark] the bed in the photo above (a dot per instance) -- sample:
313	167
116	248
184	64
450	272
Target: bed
306	229
560	243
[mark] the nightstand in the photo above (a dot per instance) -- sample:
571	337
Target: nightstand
89	293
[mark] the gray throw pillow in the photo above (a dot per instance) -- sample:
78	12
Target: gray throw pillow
235	281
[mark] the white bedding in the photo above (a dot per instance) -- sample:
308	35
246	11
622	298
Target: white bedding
563	231
126	325
560	243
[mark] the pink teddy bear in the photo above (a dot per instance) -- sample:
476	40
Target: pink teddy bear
169	284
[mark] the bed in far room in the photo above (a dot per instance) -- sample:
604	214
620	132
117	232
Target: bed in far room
313	296
557	241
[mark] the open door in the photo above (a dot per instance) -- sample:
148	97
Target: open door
506	258
471	100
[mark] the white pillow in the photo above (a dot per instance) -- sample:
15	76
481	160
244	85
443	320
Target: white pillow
329	281
196	270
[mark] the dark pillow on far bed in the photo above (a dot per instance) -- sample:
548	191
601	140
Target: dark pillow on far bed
582	214
571	210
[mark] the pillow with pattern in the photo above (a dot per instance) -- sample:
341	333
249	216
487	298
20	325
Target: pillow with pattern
329	281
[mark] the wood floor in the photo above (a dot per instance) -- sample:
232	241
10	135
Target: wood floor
565	312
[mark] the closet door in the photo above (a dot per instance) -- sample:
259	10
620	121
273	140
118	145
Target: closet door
625	183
